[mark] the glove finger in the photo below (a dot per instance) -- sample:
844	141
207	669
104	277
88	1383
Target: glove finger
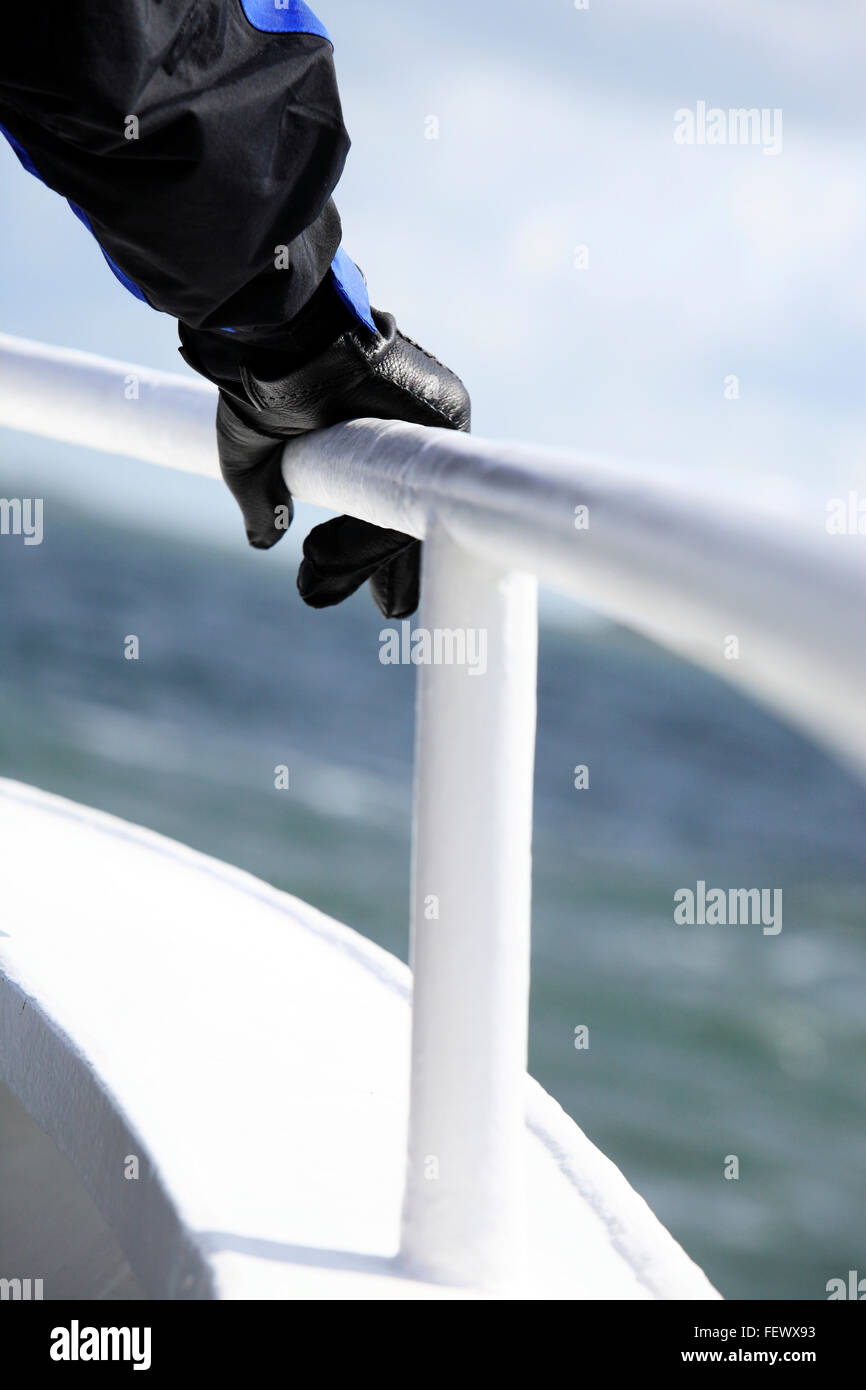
396	585
341	554
251	465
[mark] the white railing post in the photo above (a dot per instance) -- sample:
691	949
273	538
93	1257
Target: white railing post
464	1217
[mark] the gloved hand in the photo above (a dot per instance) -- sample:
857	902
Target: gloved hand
385	376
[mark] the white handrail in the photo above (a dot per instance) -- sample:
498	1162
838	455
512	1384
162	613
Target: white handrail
664	555
772	602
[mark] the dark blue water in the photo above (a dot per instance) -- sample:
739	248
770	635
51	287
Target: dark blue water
704	1042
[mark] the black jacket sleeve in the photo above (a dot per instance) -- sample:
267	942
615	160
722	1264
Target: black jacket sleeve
194	145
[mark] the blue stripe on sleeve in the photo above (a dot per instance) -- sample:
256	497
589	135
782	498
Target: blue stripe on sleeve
28	164
283	17
352	288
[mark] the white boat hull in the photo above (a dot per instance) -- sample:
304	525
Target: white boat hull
164	1014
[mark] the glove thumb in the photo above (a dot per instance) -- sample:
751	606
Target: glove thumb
251	465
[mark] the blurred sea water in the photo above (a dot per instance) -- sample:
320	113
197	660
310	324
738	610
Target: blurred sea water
703	1042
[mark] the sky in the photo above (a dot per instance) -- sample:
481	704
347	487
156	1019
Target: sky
554	131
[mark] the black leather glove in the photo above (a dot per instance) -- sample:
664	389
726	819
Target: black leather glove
280	392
